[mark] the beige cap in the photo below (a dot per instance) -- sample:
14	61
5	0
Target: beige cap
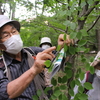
4	20
45	40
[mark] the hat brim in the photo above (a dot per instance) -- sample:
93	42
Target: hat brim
45	43
15	23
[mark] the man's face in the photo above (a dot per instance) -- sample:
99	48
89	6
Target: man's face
45	46
5	33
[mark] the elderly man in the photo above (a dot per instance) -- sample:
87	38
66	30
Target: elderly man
21	76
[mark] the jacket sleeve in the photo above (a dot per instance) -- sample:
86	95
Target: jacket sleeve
3	86
36	49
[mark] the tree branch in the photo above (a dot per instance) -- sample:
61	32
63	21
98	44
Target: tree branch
79	6
85	8
60	2
93	23
55	28
89	10
68	18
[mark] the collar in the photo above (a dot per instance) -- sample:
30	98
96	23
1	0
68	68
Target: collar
9	59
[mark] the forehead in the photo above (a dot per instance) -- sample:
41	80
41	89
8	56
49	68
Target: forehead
7	27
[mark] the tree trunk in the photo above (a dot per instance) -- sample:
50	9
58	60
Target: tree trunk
1	10
12	10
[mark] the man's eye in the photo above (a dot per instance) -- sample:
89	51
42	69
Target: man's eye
5	35
14	32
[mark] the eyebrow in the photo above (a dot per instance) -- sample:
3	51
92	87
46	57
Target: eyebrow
12	27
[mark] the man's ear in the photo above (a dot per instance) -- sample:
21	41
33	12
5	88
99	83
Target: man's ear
2	47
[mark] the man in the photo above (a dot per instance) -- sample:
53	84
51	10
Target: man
45	43
23	80
21	76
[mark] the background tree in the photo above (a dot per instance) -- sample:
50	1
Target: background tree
75	18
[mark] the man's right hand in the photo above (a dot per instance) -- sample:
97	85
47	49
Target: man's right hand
41	58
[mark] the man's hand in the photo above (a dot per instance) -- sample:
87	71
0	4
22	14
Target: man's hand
61	40
41	58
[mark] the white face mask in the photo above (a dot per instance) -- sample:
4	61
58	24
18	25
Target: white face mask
14	44
45	46
97	73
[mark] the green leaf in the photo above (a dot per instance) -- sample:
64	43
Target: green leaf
47	63
69	65
73	35
83	97
72	50
81	89
35	97
60	97
65	48
54	82
72	84
81	75
68	12
83	59
84	32
92	70
53	97
57	92
78	49
71	92
77	75
83	4
62	13
63	87
77	82
64	79
90	2
47	89
79	70
59	79
91	59
82	42
58	47
88	85
69	73
87	50
76	96
87	66
50	68
72	26
66	23
39	92
64	97
79	36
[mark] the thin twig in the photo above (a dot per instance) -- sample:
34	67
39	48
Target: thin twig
55	28
93	23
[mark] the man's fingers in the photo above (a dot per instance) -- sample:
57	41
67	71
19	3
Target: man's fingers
49	49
